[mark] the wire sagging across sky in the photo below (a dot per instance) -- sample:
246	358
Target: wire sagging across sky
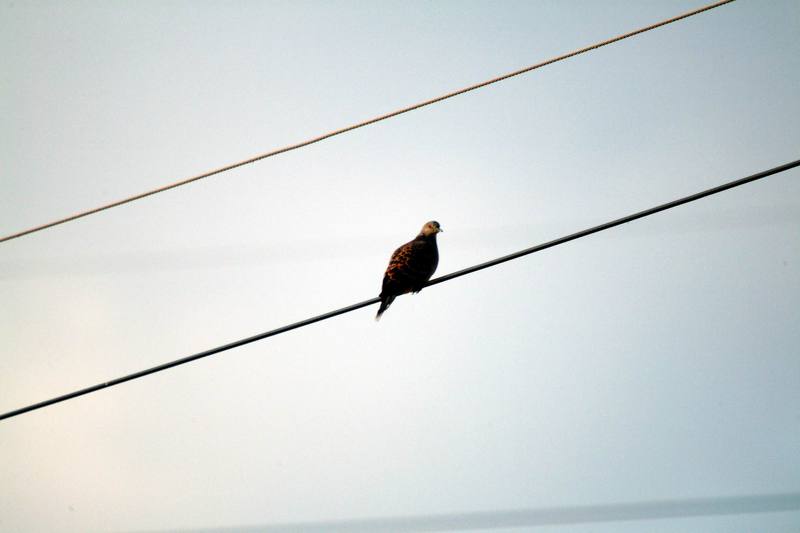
553	516
358	125
441	279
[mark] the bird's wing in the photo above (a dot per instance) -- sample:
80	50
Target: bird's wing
411	264
399	264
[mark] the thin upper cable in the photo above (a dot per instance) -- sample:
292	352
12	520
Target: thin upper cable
362	124
441	279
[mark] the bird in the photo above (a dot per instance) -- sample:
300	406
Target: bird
411	266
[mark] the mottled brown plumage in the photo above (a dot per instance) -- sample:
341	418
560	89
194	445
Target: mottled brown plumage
411	266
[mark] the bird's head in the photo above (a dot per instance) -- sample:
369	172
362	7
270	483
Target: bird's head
430	228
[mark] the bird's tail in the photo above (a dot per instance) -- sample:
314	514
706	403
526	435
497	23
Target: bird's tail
385	303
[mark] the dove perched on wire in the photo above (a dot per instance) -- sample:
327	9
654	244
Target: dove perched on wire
411	266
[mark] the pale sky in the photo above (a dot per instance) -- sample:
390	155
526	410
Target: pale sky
655	361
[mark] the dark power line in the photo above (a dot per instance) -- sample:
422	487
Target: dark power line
531	517
358	125
441	279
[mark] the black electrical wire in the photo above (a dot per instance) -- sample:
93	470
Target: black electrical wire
532	517
441	279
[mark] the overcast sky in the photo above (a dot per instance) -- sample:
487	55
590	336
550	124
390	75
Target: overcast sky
655	361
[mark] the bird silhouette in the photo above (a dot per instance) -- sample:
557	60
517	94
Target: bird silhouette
411	266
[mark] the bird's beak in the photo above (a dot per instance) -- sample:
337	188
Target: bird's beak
439	230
